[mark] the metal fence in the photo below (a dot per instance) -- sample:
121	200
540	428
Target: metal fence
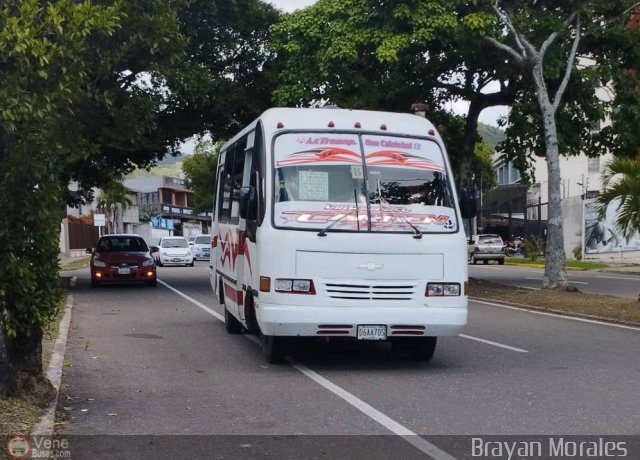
82	236
508	214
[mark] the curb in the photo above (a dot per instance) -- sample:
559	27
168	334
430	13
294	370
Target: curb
45	425
557	312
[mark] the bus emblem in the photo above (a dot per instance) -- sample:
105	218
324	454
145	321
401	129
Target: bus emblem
371	266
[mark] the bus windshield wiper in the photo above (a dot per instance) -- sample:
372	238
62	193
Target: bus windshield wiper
417	233
323	232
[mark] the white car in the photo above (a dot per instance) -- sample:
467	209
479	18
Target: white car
201	247
174	250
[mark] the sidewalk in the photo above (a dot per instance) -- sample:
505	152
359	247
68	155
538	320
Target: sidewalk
625	269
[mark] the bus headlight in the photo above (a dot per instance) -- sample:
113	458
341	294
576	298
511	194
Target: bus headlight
442	289
295	286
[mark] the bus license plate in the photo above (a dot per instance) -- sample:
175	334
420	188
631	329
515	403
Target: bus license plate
372	332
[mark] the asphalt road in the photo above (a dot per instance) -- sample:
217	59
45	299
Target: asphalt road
146	361
591	281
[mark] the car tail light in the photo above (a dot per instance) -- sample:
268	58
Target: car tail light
214	242
294	286
442	290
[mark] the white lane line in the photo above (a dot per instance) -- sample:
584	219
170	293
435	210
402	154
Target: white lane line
556	315
194	301
574	282
373	413
495	344
412	438
618	278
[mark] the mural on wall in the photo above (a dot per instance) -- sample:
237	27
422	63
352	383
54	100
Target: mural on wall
602	236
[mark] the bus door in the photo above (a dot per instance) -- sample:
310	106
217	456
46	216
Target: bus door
243	262
214	255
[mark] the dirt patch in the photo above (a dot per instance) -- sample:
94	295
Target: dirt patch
19	414
604	307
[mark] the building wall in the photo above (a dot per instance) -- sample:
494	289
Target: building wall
572	223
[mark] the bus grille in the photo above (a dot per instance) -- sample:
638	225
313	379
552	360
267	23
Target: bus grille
370	292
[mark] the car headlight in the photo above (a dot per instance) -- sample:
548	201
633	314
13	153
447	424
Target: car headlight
99	263
148	262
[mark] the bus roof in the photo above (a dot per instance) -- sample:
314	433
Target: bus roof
342	119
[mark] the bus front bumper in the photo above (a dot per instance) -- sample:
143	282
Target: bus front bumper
284	320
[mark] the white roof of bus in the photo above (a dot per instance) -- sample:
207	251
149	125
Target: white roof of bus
343	119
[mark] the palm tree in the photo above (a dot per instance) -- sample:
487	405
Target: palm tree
621	187
110	197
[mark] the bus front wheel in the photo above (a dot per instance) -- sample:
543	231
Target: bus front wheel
273	349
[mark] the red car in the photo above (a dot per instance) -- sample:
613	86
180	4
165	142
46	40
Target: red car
121	259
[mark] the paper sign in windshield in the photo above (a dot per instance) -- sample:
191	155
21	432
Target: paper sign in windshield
314	185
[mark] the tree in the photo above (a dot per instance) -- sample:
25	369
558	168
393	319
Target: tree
396	54
621	186
527	32
113	197
200	173
90	91
42	51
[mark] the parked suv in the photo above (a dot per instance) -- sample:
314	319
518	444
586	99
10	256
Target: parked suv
486	247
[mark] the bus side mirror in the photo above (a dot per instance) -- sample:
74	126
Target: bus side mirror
248	203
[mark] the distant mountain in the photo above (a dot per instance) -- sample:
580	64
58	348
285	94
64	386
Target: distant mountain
173	169
170	160
491	134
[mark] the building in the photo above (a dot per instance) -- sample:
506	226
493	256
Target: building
167	204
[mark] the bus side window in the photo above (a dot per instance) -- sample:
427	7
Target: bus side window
225	202
236	178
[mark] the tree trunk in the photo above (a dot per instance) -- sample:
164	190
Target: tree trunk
25	351
470	137
555	273
7	378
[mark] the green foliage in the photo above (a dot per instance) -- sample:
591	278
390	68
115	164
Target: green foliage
533	247
200	173
621	185
111	196
333	51
594	93
92	90
43	52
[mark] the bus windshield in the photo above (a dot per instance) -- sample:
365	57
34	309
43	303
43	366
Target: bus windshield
361	183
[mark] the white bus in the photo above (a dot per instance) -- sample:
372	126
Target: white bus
339	223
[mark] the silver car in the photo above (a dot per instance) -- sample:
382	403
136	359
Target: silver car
201	247
486	247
